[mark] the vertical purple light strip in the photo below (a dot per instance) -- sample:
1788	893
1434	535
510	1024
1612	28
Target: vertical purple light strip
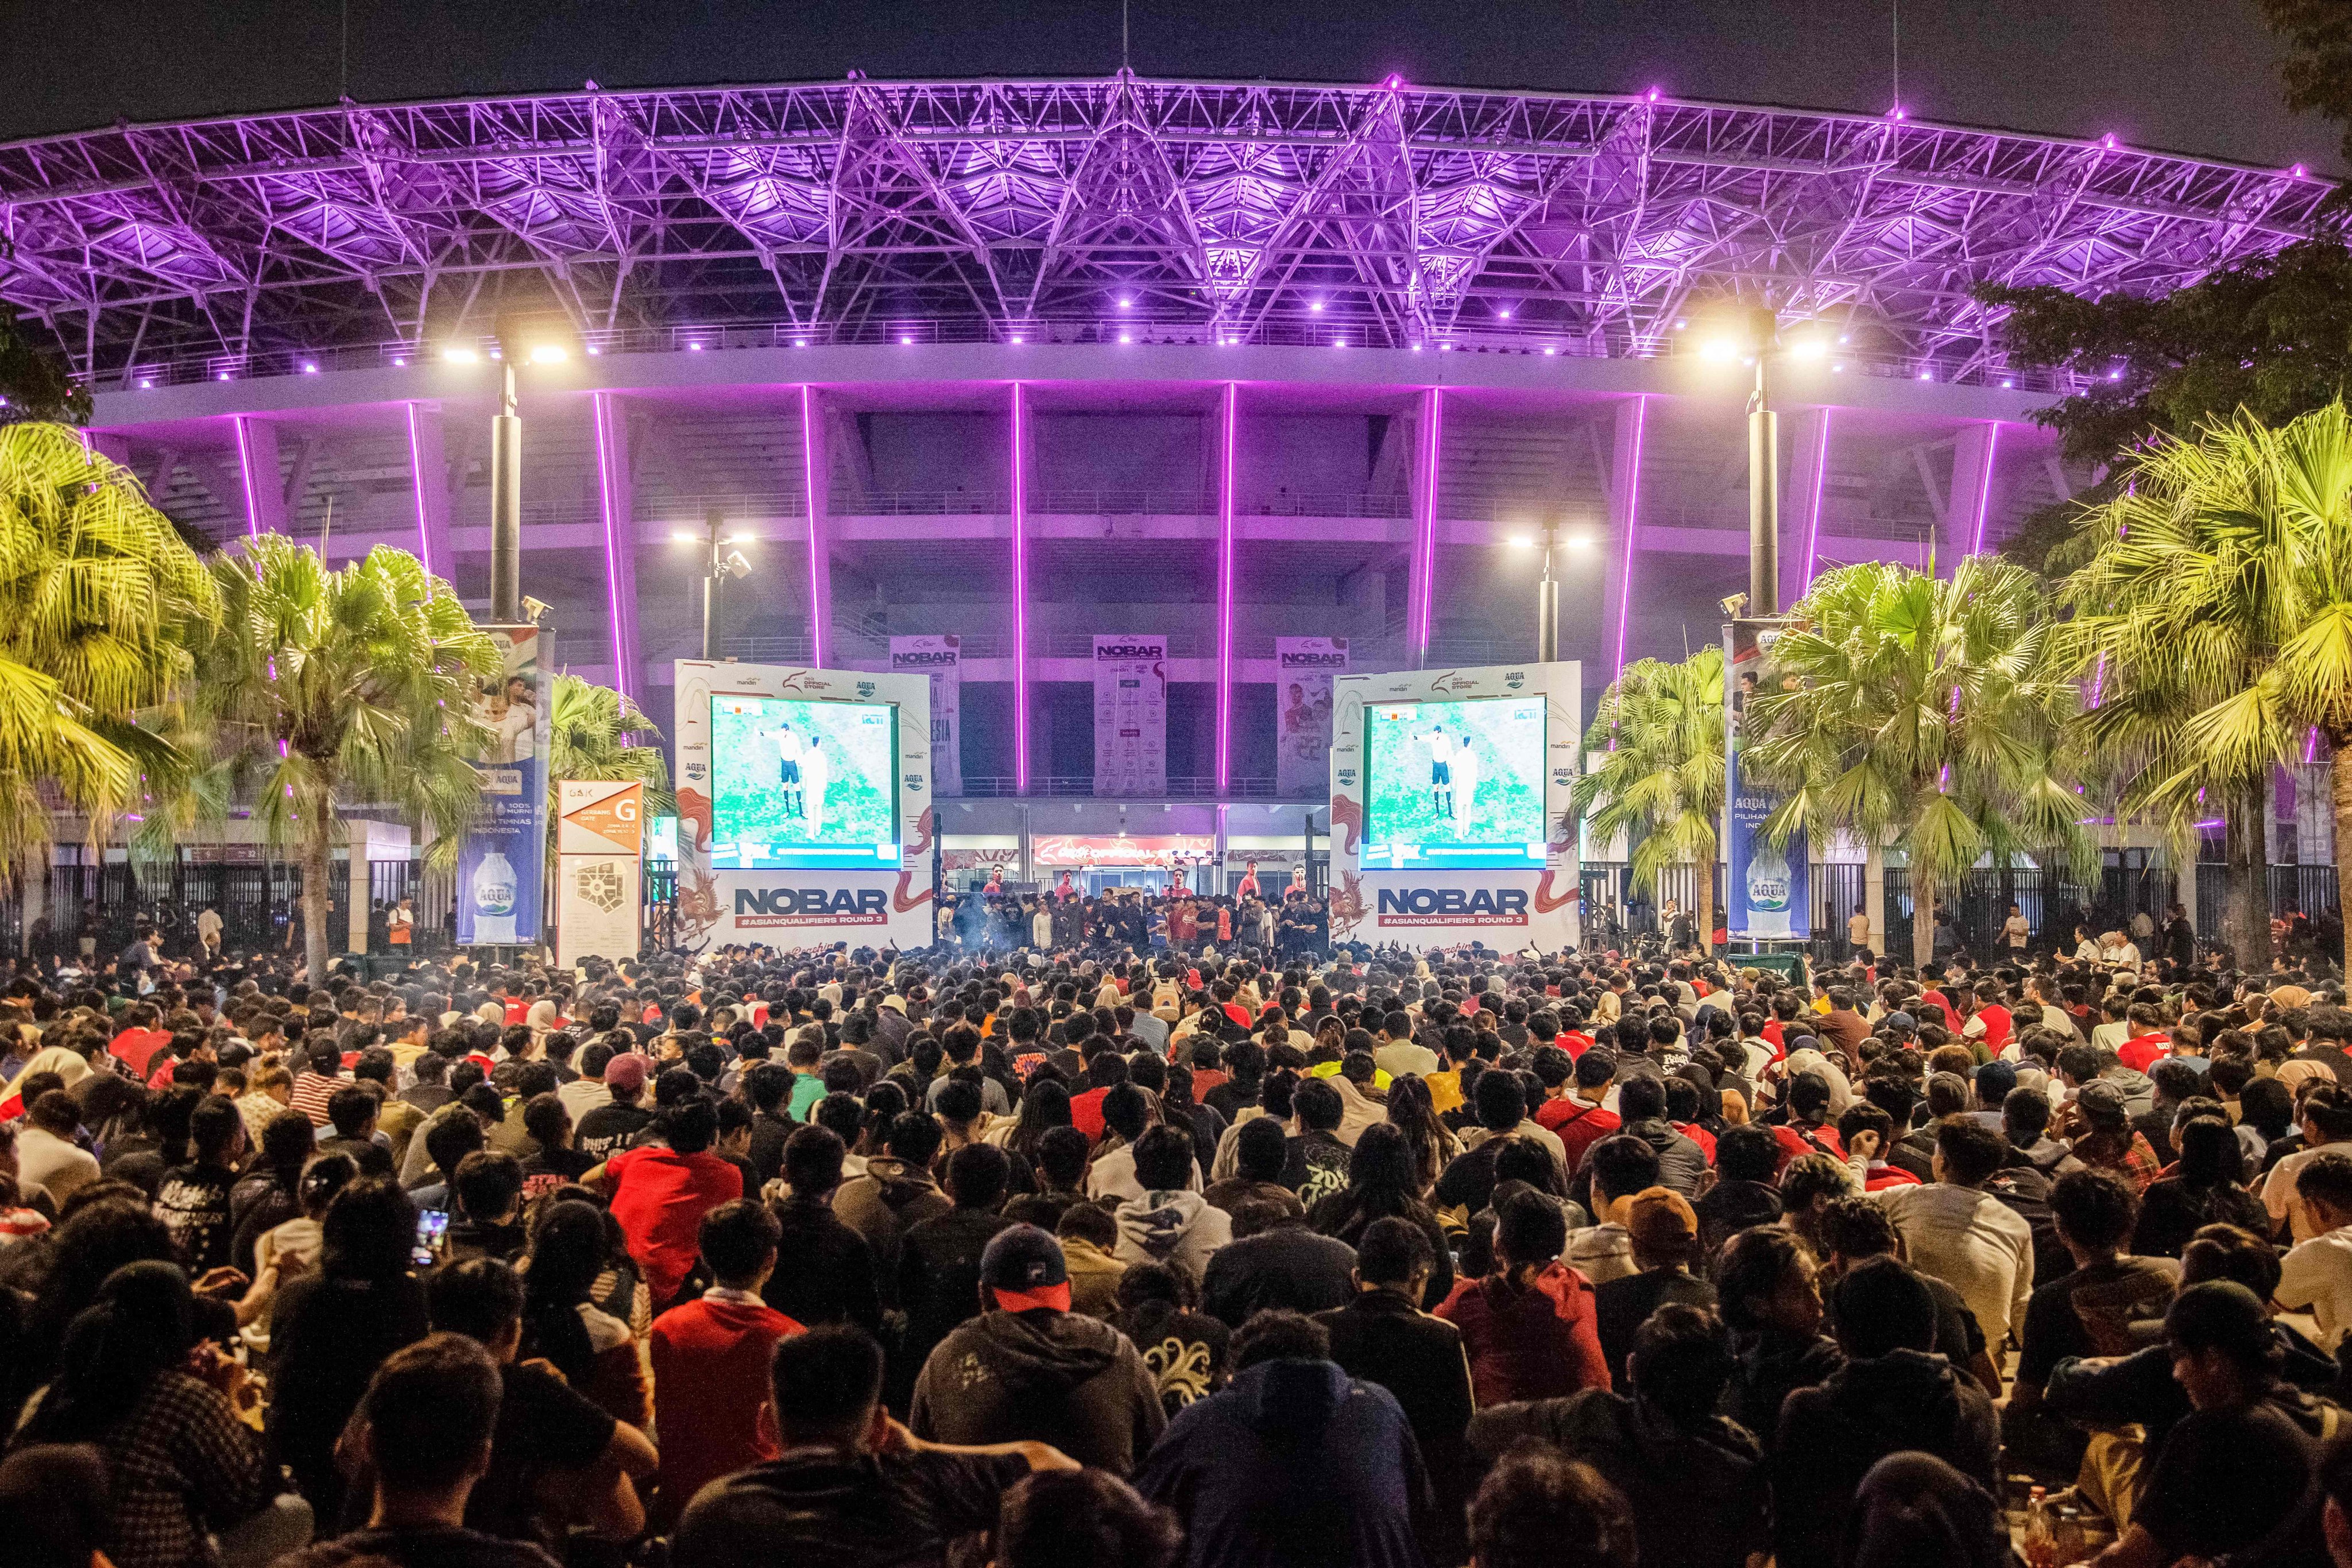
1984	486
1229	416
1813	519
808	491
1424	544
1020	603
239	424
416	489
1632	533
609	462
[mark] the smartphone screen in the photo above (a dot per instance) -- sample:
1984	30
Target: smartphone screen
432	1230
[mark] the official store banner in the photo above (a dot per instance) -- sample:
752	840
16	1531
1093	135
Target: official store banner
942	658
600	864
1302	706
502	858
1130	715
1509	909
1767	885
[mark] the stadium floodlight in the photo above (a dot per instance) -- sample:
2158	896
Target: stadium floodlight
1718	349
549	354
458	354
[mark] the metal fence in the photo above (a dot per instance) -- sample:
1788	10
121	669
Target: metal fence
256	901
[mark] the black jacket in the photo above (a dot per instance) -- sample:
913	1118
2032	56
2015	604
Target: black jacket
939	1283
1046	1377
1831	1434
1697	1493
1380	1338
1288	1266
824	1270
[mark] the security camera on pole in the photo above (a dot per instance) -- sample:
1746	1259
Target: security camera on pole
715	569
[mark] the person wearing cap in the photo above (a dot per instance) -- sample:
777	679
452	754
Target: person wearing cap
2236	1472
1894	1393
615	1126
1029	1368
2106	1139
1663	1229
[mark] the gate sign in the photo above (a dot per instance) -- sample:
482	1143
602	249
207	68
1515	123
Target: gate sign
600	869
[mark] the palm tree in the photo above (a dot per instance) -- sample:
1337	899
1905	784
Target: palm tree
1659	734
590	735
2216	616
347	687
99	603
1928	712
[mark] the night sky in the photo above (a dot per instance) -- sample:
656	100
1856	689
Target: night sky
2191	75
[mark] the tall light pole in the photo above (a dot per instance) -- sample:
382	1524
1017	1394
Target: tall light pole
506	501
1759	340
715	569
1551	539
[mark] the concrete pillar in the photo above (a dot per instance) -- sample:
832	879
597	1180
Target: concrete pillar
1966	509
816	474
428	477
617	512
1800	503
1421	591
1874	902
261	484
1624	481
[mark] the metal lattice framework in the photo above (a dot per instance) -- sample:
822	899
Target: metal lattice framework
985	209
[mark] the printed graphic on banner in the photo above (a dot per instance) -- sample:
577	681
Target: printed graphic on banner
1500	870
599	841
942	658
1453	783
501	860
1302	706
1767	885
863	876
1131	716
797	784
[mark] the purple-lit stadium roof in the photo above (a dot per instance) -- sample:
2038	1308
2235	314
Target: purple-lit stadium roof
988	211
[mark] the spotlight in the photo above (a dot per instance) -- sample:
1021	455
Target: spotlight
1809	348
1718	349
694	348
594	350
1315	306
548	354
400	360
310	367
458	355
907	338
1733	603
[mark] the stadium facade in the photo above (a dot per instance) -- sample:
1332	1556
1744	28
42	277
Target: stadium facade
1030	361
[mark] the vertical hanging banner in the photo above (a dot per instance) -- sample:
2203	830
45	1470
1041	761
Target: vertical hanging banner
502	860
600	834
1302	706
1131	716
942	658
1766	885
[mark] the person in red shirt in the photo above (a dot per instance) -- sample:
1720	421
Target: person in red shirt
2149	1041
710	1360
1529	1327
1577	1117
136	1046
1105	1070
1991	1025
660	1194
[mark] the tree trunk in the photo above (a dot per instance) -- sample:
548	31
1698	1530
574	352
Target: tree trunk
316	868
2339	782
1923	917
2247	926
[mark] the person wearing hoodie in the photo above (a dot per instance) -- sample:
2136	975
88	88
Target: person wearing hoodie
1892	1394
1694	1480
1168	1224
1029	1369
1528	1327
1294	1462
1642	1105
896	1193
1746	1159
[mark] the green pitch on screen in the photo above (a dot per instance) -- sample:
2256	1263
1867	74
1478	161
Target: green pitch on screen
1495	748
844	803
